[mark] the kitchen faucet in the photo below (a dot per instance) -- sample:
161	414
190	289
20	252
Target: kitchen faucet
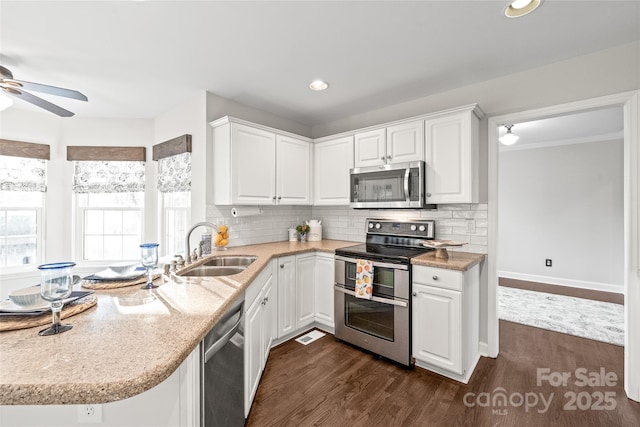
187	258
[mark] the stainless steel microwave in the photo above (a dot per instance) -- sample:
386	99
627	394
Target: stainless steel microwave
393	186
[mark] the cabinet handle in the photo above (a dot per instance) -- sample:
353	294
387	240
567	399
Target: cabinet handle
428	194
382	158
279	197
415	294
281	265
435	277
388	157
266	300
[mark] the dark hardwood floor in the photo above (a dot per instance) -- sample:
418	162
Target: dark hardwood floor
329	383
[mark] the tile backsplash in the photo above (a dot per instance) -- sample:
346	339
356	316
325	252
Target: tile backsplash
461	222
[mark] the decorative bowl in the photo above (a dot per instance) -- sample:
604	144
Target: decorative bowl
27	297
123	268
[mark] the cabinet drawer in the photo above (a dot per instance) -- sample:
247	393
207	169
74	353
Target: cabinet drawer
254	289
438	277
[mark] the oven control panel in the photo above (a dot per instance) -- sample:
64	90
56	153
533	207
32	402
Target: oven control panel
423	228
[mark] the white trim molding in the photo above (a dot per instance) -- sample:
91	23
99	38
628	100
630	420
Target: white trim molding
629	102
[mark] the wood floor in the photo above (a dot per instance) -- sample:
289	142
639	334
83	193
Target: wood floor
329	383
562	290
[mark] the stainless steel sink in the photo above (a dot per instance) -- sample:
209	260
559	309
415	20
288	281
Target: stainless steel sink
230	260
220	266
208	270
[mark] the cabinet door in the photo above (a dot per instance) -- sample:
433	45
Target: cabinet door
405	142
370	148
452	159
333	160
286	295
253	157
253	331
436	322
269	311
293	168
305	289
325	266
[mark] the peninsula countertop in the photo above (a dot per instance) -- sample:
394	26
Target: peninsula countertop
132	340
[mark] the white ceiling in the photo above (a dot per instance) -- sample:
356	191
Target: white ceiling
138	59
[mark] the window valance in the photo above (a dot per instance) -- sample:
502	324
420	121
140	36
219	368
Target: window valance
22	174
108	176
174	173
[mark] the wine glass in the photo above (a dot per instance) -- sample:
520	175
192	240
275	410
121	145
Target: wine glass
149	261
56	284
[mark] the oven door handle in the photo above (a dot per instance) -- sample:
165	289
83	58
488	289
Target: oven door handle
375	299
375	263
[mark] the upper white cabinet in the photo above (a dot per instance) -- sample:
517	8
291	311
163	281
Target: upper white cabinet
452	156
256	165
402	142
332	161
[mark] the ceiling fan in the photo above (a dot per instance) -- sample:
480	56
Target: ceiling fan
18	89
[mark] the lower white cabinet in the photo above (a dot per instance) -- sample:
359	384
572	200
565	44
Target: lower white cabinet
305	281
296	274
445	320
258	332
324	280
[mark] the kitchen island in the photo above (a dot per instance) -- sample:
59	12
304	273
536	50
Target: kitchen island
132	340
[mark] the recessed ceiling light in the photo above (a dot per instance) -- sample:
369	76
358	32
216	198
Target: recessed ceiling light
318	85
518	8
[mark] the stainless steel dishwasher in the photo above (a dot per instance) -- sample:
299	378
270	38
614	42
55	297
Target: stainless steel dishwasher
222	370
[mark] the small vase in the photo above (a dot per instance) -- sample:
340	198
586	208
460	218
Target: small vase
303	237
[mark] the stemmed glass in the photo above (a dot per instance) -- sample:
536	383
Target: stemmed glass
149	261
56	284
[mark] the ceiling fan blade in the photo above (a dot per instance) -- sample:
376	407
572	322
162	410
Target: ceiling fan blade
26	96
53	90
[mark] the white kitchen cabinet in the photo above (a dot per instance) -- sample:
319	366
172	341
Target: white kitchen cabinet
296	293
371	148
452	156
305	289
324	280
445	320
403	142
258	332
286	295
257	165
332	161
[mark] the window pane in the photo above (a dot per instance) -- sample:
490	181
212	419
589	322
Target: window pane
131	222
93	247
131	247
94	222
18	237
112	222
112	247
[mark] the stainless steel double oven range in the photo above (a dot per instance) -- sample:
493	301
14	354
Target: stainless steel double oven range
381	324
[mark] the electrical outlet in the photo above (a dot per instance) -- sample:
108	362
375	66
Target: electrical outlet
90	414
471	226
548	262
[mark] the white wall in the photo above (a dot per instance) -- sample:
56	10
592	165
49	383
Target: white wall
564	203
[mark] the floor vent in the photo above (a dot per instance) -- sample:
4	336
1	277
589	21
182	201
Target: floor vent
310	337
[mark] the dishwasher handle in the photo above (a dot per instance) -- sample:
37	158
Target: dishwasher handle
216	346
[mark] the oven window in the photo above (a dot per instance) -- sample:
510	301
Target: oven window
383	279
370	317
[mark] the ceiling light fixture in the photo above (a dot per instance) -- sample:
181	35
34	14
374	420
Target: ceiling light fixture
5	102
318	85
518	8
508	138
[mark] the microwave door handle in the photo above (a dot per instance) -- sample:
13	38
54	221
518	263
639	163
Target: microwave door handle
407	196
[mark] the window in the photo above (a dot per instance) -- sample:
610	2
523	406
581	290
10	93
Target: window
109	209
110	225
174	185
22	189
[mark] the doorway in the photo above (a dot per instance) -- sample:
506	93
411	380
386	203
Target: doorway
631	278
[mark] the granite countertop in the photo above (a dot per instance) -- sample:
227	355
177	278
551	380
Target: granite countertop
132	340
460	261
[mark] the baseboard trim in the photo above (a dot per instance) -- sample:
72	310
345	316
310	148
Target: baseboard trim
594	286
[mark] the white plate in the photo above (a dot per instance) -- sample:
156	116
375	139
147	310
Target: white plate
8	306
108	274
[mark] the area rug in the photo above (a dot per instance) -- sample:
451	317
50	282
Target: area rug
596	320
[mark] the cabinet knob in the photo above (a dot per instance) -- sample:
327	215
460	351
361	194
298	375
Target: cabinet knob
274	197
415	294
428	194
266	300
388	157
281	265
279	197
435	277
